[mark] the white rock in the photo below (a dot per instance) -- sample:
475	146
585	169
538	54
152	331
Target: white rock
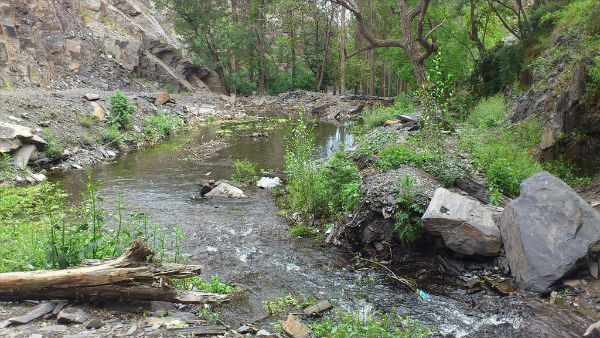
226	190
268	183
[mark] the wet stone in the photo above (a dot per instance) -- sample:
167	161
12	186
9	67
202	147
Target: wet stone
72	315
95	323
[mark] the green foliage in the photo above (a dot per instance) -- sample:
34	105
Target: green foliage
198	284
344	180
245	171
408	226
488	113
306	183
25	219
161	125
121	110
112	134
594	73
53	148
39	230
281	305
567	171
497	68
393	156
354	325
503	153
87	120
7	170
377	115
301	231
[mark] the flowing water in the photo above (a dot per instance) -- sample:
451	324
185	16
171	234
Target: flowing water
246	243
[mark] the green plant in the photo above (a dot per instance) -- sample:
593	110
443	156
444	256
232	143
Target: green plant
301	231
281	305
306	184
198	283
87	120
488	113
355	325
53	148
245	171
377	116
344	180
112	134
408	219
393	156
567	171
161	125
121	110
7	170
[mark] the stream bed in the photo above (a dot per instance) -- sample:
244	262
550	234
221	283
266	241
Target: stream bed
245	242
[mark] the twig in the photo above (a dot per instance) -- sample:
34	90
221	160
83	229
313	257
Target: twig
407	282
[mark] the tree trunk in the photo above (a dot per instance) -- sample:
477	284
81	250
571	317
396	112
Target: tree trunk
372	51
343	52
326	53
129	277
261	50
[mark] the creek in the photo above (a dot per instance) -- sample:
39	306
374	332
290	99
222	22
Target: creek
245	242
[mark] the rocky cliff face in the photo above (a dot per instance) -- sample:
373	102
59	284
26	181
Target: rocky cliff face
105	44
570	113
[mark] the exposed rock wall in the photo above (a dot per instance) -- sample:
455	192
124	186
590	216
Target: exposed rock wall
94	43
571	114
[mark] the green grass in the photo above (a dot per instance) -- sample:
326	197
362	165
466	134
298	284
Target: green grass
355	325
245	172
302	231
39	230
7	169
198	283
161	125
376	116
112	135
53	148
488	113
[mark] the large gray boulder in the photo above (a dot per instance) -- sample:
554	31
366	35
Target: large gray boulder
547	231
466	225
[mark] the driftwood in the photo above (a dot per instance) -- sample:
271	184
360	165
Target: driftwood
133	276
384	100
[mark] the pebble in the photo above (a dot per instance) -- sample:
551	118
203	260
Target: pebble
94	324
131	330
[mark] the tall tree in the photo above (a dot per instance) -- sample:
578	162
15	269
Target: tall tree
414	41
343	51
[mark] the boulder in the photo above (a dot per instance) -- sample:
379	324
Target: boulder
547	231
466	225
268	182
13	136
98	111
162	99
91	97
226	190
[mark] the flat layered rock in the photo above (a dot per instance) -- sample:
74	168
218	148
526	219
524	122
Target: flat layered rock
466	225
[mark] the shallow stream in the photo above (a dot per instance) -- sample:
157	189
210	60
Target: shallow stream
246	243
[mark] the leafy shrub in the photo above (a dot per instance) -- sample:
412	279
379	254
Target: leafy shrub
567	171
354	325
53	148
87	120
121	110
502	176
344	180
301	231
112	134
488	113
162	125
408	226
497	68
393	156
307	185
245	171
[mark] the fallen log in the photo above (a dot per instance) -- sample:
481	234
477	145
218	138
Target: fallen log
133	276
